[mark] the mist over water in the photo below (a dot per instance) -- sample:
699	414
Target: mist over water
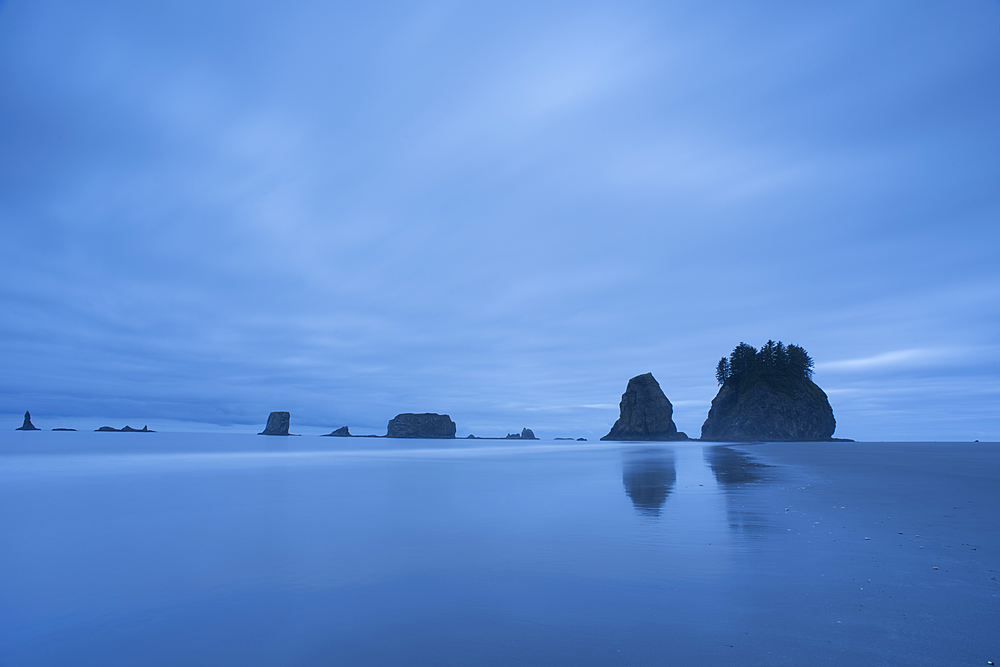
159	549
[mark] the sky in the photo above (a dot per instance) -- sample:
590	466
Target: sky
501	211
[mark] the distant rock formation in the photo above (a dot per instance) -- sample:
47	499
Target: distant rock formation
277	424
645	413
424	425
768	394
112	429
796	410
341	432
27	425
64	429
581	440
527	434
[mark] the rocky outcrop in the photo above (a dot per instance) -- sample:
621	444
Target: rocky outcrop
645	413
112	429
789	410
341	432
527	434
424	425
277	424
27	425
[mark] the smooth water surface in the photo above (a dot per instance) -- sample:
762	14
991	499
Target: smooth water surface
169	549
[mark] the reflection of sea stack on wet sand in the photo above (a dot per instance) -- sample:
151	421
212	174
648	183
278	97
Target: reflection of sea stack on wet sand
27	425
277	424
648	477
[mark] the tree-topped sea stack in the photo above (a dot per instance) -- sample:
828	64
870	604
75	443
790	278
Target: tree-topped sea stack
424	425
277	424
645	413
768	394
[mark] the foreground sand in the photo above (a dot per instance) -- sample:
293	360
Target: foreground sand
198	549
906	538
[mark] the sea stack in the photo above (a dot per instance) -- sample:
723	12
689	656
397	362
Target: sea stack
341	432
27	425
645	413
277	424
424	425
768	395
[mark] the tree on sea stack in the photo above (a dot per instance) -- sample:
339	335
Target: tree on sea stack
768	394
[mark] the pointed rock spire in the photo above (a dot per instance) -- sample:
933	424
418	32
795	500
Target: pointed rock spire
27	425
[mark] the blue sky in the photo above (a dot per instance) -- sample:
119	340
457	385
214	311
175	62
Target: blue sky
502	211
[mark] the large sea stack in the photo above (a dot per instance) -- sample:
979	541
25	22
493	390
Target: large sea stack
768	395
424	425
645	413
27	425
277	424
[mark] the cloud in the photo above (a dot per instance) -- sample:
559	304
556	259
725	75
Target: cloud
352	211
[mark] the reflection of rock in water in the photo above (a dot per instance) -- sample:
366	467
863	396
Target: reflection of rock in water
648	476
738	474
733	468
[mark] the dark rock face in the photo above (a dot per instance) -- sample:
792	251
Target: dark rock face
645	413
27	425
424	425
527	434
277	424
112	429
792	411
341	432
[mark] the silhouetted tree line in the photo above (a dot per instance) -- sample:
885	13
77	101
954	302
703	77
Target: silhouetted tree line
772	361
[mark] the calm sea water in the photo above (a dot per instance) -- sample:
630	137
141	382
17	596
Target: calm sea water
191	549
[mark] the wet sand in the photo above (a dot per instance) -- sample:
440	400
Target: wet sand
196	549
897	544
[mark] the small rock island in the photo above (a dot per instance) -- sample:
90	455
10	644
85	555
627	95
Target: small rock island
277	424
768	395
27	425
112	429
645	413
424	425
342	432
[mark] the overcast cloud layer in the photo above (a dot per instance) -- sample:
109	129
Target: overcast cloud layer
211	210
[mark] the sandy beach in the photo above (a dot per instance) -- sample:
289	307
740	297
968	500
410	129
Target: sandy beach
197	549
